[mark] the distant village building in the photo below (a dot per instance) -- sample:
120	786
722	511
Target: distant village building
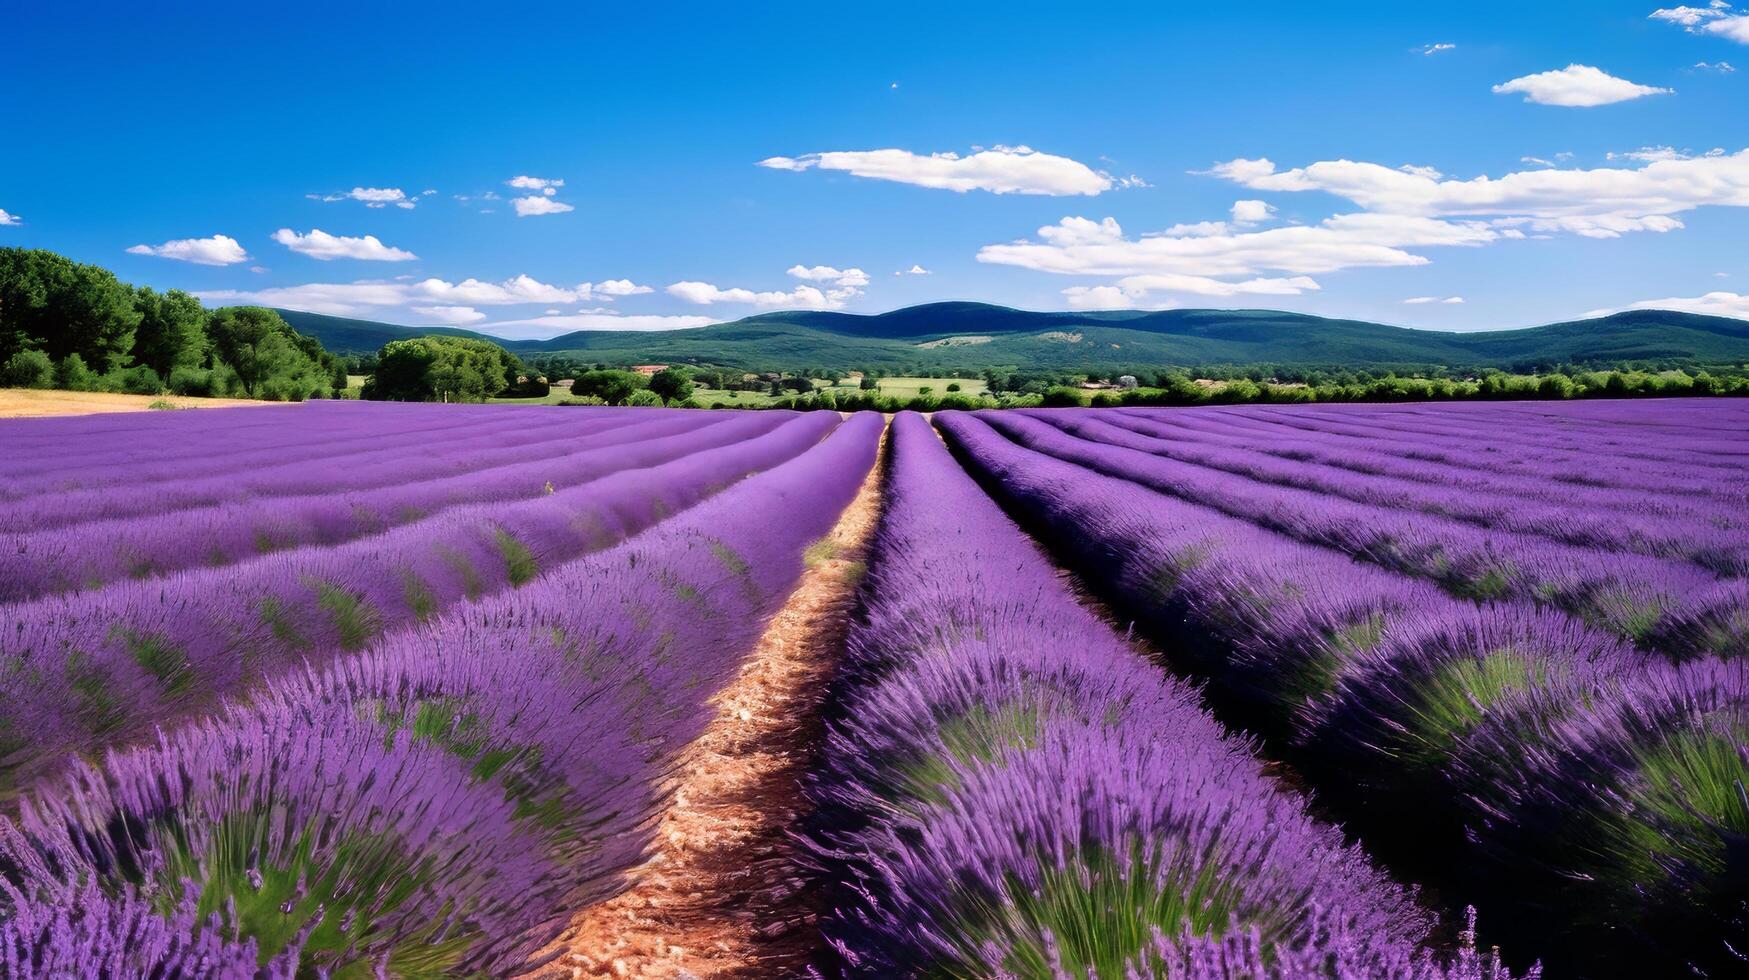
564	383
648	370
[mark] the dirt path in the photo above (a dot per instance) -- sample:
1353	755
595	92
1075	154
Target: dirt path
721	897
37	403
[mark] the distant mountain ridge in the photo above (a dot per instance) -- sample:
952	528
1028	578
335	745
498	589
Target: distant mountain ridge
940	336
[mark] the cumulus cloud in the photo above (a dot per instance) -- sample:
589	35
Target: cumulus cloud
1080	246
450	314
217	250
999	170
545	327
1599	203
318	244
1425	300
1252	212
7	218
1143	292
915	270
801	297
1719	19
534	205
1711	304
611	289
826	273
1580	86
543	184
369	297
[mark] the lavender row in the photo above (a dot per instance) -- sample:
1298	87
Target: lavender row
1713	546
102	667
1586	800
1008	789
93	553
1534	466
169	452
394	458
1534	477
1621	440
440	804
1575	441
1655	601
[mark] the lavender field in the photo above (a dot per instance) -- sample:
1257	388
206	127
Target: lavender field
1448	692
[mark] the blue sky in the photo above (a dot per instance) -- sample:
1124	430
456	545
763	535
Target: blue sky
719	160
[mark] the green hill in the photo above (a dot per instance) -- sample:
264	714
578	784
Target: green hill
950	336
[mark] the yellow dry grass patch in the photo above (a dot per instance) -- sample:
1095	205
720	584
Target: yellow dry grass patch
17	403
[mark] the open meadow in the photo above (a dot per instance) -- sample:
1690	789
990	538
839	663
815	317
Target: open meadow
497	690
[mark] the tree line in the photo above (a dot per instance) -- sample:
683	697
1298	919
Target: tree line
66	324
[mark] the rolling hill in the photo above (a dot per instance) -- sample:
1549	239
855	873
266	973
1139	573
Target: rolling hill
946	336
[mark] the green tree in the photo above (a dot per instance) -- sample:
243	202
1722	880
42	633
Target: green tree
612	387
446	369
50	303
644	397
270	358
671	385
172	330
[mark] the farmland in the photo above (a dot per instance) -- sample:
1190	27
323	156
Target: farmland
1451	692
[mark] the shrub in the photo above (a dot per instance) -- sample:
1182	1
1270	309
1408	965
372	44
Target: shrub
1062	396
644	397
583	400
72	374
28	369
137	380
192	382
1105	399
953	387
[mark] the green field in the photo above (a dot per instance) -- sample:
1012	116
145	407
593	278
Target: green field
912	387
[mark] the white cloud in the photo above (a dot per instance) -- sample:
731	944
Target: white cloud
1252	212
1578	86
1651	154
1140	292
826	273
534	183
318	244
533	205
1437	48
451	314
521	289
217	250
367	297
544	327
801	297
7	218
915	270
1600	203
999	170
611	288
1718	20
1425	300
1711	304
1722	67
1079	246
371	197
340	299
